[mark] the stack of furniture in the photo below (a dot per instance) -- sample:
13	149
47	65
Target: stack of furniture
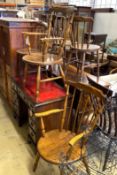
10	40
50	93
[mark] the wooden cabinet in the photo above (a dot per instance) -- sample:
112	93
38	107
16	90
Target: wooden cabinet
10	40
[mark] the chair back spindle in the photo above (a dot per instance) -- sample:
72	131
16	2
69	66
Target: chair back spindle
79	27
85	107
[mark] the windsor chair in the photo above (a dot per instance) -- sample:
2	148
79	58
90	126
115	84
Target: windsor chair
52	46
80	47
70	139
108	119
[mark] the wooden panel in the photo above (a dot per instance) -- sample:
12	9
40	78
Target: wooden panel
3	81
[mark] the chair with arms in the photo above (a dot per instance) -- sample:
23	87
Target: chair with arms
52	46
70	139
108	119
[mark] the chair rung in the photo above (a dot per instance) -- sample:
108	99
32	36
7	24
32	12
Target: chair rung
46	113
51	79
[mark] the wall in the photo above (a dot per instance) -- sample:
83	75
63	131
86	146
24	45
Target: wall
106	23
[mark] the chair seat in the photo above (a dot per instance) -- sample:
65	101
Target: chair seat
55	145
83	48
38	59
24	51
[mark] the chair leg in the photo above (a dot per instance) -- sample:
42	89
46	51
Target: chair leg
61	172
62	73
84	160
98	68
25	73
83	62
107	155
38	81
36	162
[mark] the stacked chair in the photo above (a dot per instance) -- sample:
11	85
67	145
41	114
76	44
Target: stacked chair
83	104
80	47
51	48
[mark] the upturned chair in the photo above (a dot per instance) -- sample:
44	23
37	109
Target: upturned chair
69	140
52	46
80	47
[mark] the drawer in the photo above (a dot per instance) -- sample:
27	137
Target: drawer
32	135
33	123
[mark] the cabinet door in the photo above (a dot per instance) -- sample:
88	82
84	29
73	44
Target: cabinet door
5	45
3	81
2	66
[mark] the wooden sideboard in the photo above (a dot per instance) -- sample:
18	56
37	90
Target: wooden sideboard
10	40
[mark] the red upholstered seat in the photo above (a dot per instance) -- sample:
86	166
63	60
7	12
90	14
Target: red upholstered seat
48	90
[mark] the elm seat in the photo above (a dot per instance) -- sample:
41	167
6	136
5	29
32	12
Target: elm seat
37	59
56	143
85	48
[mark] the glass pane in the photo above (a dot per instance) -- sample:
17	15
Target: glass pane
97	2
114	1
103	2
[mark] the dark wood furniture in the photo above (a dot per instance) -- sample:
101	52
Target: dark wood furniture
10	40
112	63
64	146
83	11
8	13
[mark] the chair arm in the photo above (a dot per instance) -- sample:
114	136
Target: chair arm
75	139
34	33
51	39
47	113
113	71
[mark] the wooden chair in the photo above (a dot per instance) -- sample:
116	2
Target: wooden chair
70	139
108	119
79	46
52	46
